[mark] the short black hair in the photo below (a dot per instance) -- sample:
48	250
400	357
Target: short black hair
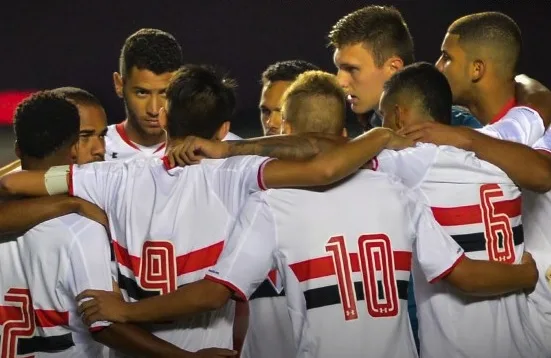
286	70
381	29
424	85
44	123
78	95
199	101
150	49
490	31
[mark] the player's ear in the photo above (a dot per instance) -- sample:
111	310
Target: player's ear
393	64
118	83
223	131
17	150
398	117
478	68
162	118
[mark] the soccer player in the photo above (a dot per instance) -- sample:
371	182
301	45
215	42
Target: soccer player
314	102
306	234
44	269
275	80
18	216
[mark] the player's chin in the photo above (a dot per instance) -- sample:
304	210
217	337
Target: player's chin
152	127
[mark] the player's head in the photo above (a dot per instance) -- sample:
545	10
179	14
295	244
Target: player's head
370	45
200	102
315	102
93	124
46	130
478	48
275	80
416	93
148	59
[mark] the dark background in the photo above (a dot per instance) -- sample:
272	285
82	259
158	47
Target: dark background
48	44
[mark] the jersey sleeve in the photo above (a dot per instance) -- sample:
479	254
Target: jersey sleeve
248	254
89	265
237	178
436	251
410	165
520	124
544	143
96	182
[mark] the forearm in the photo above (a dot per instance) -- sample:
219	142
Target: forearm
21	215
525	166
196	297
24	183
294	147
486	278
136	342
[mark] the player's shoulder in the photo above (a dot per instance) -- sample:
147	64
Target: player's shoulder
522	111
64	229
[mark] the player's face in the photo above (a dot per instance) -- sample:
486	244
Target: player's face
270	106
453	63
144	94
93	127
360	78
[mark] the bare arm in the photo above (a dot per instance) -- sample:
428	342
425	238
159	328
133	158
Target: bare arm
24	183
137	342
486	278
535	95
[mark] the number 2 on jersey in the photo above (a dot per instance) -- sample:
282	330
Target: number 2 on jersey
376	261
500	243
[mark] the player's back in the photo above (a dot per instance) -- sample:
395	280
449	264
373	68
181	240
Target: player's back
169	227
480	207
39	282
345	254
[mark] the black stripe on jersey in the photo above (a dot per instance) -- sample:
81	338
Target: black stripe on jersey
329	295
133	289
50	344
477	241
266	289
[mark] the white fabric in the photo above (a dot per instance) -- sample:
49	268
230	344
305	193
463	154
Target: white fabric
119	147
377	228
168	228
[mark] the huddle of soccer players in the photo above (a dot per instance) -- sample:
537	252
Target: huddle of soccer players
184	242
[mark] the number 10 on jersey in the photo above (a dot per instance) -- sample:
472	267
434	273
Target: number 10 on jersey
376	261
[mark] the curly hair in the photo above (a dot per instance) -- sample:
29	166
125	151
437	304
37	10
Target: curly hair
150	49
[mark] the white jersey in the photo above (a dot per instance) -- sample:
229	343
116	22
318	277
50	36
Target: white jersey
118	145
480	207
345	262
42	273
231	136
168	227
536	213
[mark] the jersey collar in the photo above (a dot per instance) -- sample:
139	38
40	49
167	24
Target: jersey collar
510	104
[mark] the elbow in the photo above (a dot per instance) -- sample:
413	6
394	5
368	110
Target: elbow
540	180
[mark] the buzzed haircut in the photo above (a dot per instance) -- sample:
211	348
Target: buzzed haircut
381	29
44	123
286	70
315	102
491	33
199	101
78	95
150	49
424	87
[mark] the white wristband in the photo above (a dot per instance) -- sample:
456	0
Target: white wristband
55	180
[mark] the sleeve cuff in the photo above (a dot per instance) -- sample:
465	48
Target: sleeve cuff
229	285
70	180
260	175
449	270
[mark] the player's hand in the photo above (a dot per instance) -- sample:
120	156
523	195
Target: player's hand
102	306
215	353
398	141
532	269
92	212
191	150
439	134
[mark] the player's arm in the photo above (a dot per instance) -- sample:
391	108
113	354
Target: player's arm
54	181
533	94
21	215
527	167
440	257
244	263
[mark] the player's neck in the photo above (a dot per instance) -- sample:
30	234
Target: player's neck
490	101
138	137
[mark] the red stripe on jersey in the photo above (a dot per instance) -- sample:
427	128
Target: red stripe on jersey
43	318
162	146
472	214
124	136
506	108
190	262
323	266
260	174
70	184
